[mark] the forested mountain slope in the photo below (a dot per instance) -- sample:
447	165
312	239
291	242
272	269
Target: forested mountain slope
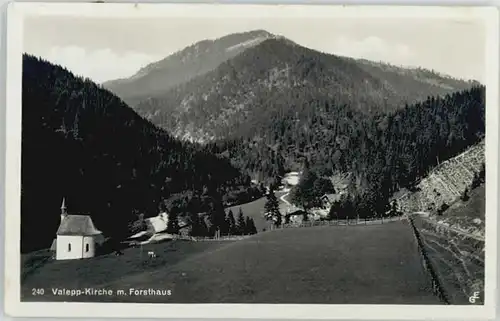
446	183
83	143
276	77
385	153
277	105
184	65
410	82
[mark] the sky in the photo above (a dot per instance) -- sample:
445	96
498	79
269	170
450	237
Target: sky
104	49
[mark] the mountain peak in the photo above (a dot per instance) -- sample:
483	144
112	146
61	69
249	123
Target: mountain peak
183	65
259	33
244	40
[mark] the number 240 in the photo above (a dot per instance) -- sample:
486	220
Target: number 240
37	292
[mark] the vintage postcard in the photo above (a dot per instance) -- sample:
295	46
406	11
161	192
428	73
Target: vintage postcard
251	161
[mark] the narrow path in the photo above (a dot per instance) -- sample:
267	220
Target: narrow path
282	198
457	231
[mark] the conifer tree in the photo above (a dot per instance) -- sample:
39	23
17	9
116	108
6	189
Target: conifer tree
173	223
394	209
333	214
204	228
217	216
252	229
272	211
231	223
196	226
241	222
248	226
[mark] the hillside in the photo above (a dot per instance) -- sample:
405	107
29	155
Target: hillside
446	182
83	143
449	207
407	79
384	154
197	59
276	78
467	215
455	244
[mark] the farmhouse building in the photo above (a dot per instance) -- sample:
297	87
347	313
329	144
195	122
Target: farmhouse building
76	237
158	223
295	217
327	200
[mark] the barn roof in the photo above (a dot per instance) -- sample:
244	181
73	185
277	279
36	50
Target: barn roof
329	197
77	225
296	212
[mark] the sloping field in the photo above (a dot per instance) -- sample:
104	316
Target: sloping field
446	182
455	245
377	264
457	259
39	271
466	216
255	210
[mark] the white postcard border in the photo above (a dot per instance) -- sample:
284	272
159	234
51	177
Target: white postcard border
13	305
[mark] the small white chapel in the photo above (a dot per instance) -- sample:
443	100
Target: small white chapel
76	237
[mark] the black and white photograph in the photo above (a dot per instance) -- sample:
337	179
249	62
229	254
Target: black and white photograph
256	156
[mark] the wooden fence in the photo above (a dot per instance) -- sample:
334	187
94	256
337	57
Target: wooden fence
339	222
437	287
207	238
342	222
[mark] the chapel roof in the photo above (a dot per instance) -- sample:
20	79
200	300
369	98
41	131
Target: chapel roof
75	224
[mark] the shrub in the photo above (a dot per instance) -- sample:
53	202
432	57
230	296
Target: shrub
442	209
465	195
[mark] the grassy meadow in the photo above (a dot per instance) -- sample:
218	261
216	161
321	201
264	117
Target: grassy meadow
376	264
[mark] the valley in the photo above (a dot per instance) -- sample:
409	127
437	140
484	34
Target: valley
256	152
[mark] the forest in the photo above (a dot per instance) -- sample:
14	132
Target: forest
81	142
278	105
384	153
277	78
